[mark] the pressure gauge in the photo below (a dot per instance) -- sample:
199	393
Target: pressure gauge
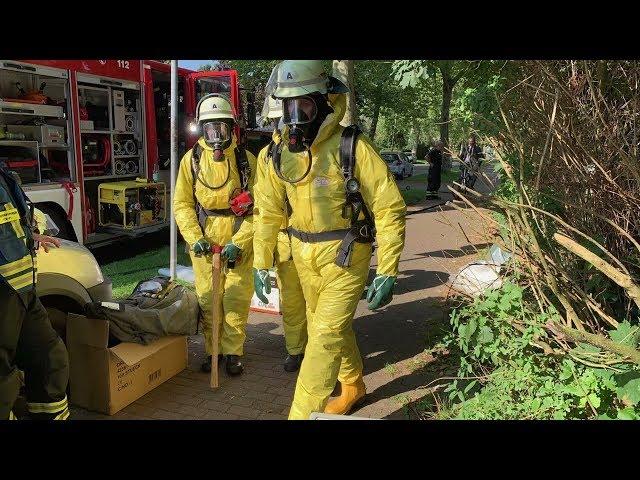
352	185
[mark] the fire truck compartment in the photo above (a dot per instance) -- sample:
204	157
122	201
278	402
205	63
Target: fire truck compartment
34	109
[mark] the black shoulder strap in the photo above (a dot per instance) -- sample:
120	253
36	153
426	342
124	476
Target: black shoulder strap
348	150
195	161
348	143
244	169
195	170
270	148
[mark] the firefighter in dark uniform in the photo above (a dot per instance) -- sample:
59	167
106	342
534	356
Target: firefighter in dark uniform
28	342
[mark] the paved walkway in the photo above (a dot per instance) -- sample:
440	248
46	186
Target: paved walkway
394	341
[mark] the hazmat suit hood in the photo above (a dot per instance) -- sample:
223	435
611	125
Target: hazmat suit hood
268	90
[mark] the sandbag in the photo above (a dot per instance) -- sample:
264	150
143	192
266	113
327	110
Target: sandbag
145	316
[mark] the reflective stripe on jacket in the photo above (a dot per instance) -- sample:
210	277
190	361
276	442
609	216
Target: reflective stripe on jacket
17	266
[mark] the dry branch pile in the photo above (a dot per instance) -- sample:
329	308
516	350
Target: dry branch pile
571	199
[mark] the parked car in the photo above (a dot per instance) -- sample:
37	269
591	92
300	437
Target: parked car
68	278
398	163
410	156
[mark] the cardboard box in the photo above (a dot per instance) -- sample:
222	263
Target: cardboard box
107	379
274	299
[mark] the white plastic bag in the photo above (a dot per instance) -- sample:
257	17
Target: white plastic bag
474	278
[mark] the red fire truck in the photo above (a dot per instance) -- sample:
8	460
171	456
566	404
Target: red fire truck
86	136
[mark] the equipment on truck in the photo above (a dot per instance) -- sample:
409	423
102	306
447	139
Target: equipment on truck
89	216
21	159
34	96
96	154
118	111
131	204
131	167
45	135
129	147
130	123
6	135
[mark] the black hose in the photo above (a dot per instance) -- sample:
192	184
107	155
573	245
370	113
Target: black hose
276	167
199	178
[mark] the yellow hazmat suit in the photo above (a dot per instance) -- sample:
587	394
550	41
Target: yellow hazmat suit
294	316
331	292
236	283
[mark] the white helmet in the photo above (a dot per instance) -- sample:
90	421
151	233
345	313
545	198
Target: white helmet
214	107
303	77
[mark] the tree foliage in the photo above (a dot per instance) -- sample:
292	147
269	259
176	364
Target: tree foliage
400	103
465	91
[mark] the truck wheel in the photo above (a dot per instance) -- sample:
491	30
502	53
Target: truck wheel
66	230
58	306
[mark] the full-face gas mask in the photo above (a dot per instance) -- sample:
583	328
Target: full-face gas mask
217	134
304	115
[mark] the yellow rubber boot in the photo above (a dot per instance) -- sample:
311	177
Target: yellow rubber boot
351	395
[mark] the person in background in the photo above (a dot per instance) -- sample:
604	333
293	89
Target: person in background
471	156
434	178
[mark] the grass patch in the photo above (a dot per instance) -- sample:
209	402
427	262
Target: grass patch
391	369
402	399
413	196
125	274
418	178
450	176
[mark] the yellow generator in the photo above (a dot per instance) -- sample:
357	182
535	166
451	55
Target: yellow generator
132	204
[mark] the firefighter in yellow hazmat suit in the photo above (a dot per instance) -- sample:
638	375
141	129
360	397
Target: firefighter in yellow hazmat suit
294	315
334	205
211	174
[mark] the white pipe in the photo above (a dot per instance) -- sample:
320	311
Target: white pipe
173	243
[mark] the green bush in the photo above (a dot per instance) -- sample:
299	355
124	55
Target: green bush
503	375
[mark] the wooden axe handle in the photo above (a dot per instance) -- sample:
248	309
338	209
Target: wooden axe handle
216	270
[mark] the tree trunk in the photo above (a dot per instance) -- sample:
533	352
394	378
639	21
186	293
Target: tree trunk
447	93
374	120
344	70
416	135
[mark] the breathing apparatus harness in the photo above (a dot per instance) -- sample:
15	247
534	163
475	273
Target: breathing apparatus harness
361	231
241	204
